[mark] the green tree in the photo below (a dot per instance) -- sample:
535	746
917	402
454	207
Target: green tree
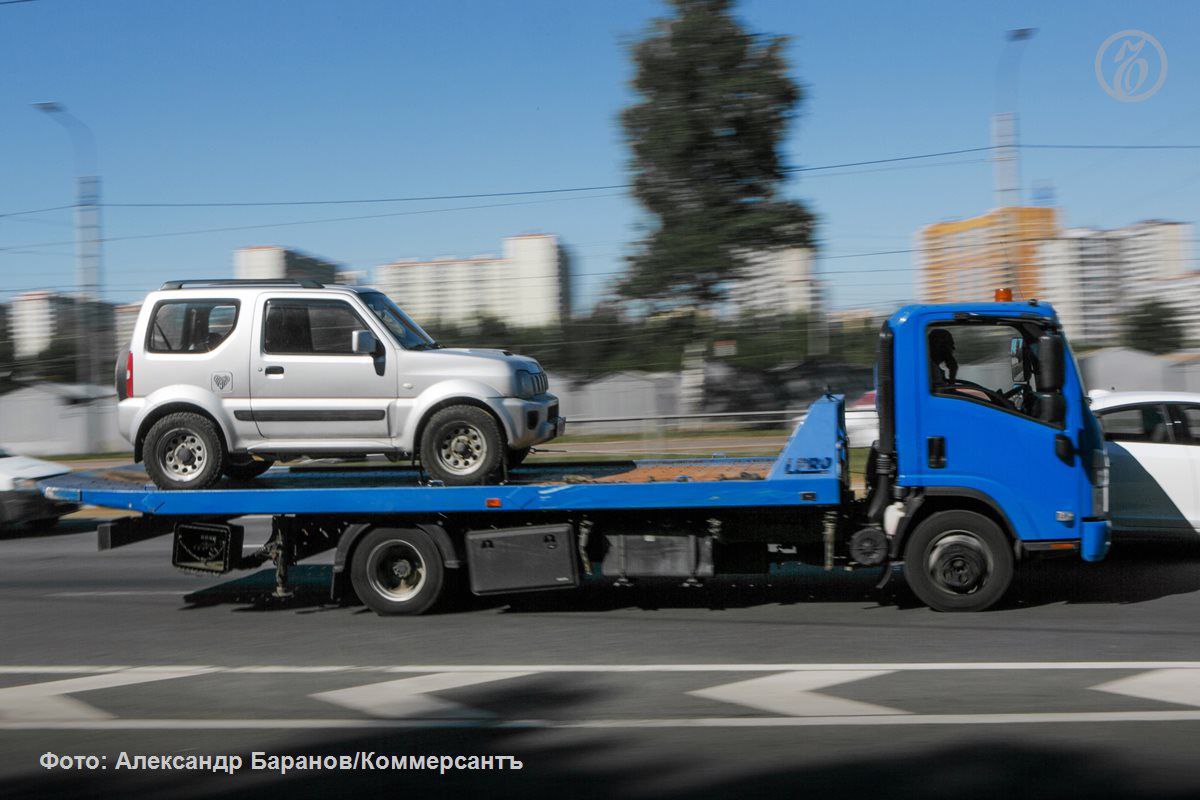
1155	327
714	103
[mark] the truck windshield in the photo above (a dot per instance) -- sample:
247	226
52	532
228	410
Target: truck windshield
407	333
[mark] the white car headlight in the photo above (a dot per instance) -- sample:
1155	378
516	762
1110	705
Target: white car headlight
26	484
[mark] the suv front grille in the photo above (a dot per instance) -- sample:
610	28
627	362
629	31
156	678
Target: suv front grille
541	382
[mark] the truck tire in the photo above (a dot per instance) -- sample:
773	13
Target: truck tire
184	451
246	470
397	571
516	457
958	561
462	446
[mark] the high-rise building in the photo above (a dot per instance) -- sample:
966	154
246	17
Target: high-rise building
274	263
1095	277
969	259
125	319
529	285
37	319
779	281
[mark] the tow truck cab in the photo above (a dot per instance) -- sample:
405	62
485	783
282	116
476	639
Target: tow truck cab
982	411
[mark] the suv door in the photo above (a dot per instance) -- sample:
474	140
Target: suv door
1152	484
306	382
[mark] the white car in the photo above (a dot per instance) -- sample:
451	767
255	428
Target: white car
1153	445
21	502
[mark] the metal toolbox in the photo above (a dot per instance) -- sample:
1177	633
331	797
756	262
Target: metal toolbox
202	547
522	559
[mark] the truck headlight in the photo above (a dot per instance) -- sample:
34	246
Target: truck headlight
1099	483
526	386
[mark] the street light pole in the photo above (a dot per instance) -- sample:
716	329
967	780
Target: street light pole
1004	121
90	265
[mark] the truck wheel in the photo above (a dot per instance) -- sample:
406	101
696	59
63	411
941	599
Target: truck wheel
397	571
516	457
184	451
958	561
246	470
462	446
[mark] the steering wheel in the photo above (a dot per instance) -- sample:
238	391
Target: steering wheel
996	397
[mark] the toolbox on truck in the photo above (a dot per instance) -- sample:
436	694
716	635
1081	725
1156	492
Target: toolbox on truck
522	559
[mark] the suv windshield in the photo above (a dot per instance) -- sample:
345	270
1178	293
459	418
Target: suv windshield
407	333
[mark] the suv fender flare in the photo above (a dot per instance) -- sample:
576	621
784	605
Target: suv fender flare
455	392
451	558
171	399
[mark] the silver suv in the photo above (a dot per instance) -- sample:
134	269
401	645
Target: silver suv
225	377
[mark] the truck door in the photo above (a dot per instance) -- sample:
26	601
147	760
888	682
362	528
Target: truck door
978	426
306	383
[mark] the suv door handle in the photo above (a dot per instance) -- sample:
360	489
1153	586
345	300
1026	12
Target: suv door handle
274	370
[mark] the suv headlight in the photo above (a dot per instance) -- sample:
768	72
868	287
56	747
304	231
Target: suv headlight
26	484
526	385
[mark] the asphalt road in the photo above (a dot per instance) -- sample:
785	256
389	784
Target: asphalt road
1085	683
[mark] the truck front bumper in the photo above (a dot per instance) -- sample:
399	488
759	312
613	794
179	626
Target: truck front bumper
1095	539
533	421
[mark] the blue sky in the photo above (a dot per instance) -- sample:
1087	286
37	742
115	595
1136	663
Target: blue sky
248	100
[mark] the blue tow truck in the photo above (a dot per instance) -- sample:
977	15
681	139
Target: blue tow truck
987	455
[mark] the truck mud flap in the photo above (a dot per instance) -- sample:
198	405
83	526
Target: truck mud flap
522	559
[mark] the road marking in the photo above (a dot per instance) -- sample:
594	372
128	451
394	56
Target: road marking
885	720
407	697
619	668
795	693
1176	685
172	593
46	700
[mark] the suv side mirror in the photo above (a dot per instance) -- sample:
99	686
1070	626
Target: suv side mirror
1050	362
363	343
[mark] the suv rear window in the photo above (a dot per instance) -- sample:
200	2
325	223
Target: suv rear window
191	326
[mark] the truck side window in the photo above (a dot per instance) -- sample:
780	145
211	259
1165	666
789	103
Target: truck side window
309	327
978	362
190	326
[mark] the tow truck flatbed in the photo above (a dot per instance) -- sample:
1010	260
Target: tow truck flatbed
809	471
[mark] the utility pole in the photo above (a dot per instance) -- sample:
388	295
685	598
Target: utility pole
1006	153
89	276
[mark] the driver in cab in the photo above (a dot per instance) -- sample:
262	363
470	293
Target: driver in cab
944	367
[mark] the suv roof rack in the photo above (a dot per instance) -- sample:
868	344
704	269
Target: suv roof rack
303	283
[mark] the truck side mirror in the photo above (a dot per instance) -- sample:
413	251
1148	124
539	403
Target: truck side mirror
1052	408
363	343
1050	362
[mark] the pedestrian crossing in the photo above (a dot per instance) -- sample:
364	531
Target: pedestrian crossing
147	697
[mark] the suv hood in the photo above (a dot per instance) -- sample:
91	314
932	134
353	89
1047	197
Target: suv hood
502	356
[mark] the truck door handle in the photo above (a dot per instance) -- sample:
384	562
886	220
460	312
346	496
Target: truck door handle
274	370
937	452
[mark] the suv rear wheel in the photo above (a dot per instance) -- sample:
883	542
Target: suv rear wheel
462	446
184	451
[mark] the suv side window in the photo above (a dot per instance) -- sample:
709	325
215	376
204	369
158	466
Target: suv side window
1187	423
1146	423
190	326
310	327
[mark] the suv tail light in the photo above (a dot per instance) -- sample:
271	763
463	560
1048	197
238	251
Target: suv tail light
129	374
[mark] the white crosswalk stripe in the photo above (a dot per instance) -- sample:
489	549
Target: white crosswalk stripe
1180	686
47	700
408	698
795	694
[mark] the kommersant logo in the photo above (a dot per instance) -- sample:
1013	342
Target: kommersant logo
1131	66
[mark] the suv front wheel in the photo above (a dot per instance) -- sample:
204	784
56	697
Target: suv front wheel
462	446
184	451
